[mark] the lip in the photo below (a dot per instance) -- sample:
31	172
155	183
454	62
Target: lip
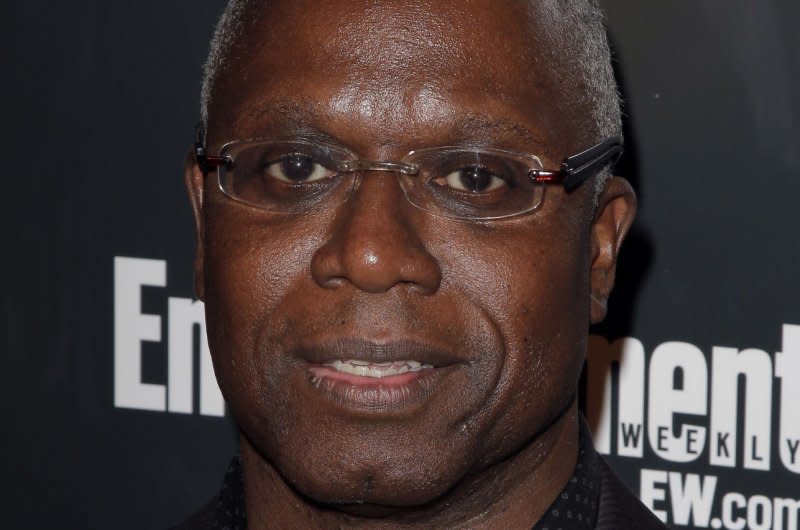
359	349
399	394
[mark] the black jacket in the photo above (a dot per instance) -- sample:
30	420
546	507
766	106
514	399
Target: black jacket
619	508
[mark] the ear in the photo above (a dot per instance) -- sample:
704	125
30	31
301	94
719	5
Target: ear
616	209
193	178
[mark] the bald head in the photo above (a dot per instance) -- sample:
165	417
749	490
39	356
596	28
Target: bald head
574	30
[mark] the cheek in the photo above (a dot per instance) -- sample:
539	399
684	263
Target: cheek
530	280
251	262
534	286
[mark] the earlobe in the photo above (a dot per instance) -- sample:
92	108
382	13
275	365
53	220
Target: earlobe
193	179
613	218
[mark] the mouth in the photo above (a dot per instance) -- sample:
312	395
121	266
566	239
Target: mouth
373	370
386	376
368	358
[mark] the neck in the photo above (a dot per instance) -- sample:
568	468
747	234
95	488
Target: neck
513	493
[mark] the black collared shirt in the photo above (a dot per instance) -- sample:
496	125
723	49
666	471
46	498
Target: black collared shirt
576	506
574	509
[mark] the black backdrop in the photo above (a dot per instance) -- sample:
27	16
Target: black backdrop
98	103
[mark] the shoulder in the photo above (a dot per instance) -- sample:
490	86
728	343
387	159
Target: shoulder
619	508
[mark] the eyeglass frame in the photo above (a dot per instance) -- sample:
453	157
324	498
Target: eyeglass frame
573	172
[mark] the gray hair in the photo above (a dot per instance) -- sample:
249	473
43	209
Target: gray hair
584	52
228	26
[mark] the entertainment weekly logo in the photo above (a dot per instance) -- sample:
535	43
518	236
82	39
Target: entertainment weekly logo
679	402
693	417
186	333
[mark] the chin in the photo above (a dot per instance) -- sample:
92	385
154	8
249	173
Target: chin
371	497
375	486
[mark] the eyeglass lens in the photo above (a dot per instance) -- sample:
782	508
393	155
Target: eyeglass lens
294	177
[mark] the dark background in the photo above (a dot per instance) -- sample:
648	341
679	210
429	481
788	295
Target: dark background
98	103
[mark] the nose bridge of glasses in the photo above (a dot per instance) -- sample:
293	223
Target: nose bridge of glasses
360	167
351	166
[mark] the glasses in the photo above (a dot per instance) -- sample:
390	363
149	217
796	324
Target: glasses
298	176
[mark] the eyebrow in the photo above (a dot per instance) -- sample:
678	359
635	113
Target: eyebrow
284	114
481	125
303	118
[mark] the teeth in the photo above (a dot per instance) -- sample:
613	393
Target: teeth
378	370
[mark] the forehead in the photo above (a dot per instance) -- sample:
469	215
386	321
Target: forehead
432	66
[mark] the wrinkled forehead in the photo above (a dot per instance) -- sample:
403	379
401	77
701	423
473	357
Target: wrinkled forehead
390	63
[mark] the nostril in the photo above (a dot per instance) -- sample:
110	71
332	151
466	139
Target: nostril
422	274
326	268
332	282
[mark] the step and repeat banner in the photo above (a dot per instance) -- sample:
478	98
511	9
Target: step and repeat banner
112	416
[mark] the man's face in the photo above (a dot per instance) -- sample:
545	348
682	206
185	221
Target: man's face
499	309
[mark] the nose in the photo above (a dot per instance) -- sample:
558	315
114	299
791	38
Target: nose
374	245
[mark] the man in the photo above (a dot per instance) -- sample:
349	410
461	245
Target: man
399	274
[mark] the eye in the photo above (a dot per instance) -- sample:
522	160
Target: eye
298	168
475	179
